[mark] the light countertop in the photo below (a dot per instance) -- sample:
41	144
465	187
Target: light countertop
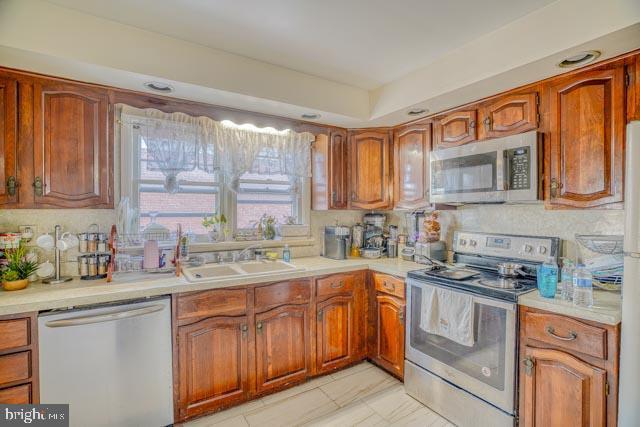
78	292
606	306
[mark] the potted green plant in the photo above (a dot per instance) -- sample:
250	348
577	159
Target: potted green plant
215	223
16	273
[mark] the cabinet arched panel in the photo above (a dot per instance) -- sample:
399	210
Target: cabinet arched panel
411	172
456	128
72	155
8	138
509	115
369	164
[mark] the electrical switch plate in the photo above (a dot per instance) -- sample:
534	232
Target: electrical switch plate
28	232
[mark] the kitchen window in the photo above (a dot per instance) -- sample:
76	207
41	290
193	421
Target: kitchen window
202	188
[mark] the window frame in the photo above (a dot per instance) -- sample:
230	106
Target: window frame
227	199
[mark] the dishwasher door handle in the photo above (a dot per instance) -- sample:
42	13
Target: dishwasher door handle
100	318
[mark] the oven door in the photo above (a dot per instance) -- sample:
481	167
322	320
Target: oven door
486	369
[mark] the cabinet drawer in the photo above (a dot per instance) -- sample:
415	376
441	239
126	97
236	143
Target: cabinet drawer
275	294
389	284
567	333
218	302
14	333
17	395
15	367
335	284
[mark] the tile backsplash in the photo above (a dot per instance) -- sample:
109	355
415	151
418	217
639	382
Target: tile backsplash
530	219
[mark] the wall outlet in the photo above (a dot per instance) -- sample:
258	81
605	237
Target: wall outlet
28	232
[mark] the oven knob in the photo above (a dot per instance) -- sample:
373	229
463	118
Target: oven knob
542	250
462	242
527	248
473	243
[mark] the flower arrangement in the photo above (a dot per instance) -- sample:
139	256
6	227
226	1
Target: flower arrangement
15	275
215	224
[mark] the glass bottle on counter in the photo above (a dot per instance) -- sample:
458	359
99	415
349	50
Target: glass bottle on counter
566	280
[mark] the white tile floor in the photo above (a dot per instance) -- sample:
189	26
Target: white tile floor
362	395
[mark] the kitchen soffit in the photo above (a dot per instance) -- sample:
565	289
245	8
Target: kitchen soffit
320	37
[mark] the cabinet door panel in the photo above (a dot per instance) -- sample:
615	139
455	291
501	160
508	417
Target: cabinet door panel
455	129
8	136
335	333
212	364
509	115
411	173
72	152
561	390
389	349
283	346
338	175
586	139
369	163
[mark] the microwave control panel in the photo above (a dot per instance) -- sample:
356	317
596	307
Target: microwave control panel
519	166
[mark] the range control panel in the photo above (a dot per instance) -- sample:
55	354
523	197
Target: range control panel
529	248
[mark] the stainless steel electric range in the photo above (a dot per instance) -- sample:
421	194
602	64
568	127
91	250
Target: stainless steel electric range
473	383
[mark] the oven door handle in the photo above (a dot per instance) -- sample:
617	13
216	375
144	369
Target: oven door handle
490	302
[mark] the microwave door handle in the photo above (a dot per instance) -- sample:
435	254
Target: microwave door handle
501	183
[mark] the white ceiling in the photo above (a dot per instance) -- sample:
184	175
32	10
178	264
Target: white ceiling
362	43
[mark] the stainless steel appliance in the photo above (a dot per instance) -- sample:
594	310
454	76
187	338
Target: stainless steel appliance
473	385
494	171
414	221
111	363
374	236
336	242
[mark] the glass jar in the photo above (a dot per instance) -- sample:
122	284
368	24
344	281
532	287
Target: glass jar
92	261
102	242
92	242
83	265
82	242
103	264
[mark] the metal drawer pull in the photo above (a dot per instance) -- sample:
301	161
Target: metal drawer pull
528	366
259	327
11	186
386	285
572	335
338	285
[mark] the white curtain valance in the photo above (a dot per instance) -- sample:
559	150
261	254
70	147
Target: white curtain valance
178	142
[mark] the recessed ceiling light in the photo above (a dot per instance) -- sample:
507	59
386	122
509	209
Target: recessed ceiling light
579	59
159	87
310	116
417	111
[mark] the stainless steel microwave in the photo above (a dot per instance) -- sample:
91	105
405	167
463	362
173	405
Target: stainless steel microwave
494	171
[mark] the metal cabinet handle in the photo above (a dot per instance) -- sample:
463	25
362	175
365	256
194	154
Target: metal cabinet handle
319	315
572	334
528	366
259	327
487	123
101	318
353	195
37	185
554	186
472	124
401	315
11	186
386	285
338	285
334	196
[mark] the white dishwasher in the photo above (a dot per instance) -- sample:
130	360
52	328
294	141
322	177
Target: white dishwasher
110	363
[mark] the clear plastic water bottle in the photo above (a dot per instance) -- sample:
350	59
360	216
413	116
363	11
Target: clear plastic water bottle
582	287
566	280
548	278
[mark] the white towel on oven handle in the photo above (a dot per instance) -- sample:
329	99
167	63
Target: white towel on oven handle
448	314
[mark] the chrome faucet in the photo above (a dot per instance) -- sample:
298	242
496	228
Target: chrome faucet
240	256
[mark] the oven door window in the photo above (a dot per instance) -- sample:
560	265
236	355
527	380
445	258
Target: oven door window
484	360
476	173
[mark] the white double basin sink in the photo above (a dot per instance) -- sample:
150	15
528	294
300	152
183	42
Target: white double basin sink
210	272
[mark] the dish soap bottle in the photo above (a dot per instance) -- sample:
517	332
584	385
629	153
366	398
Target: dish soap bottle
286	254
582	287
566	280
548	278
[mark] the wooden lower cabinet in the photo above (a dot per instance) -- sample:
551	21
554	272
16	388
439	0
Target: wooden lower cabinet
213	365
19	379
388	350
568	371
562	390
283	346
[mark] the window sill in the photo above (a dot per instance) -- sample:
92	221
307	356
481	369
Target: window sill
239	245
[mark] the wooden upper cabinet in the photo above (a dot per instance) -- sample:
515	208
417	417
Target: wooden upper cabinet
8	138
411	145
73	159
586	139
330	179
283	346
389	341
456	128
561	390
508	115
633	92
369	165
212	365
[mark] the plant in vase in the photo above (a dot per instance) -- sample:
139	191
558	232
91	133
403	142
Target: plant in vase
268	226
216	225
16	273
